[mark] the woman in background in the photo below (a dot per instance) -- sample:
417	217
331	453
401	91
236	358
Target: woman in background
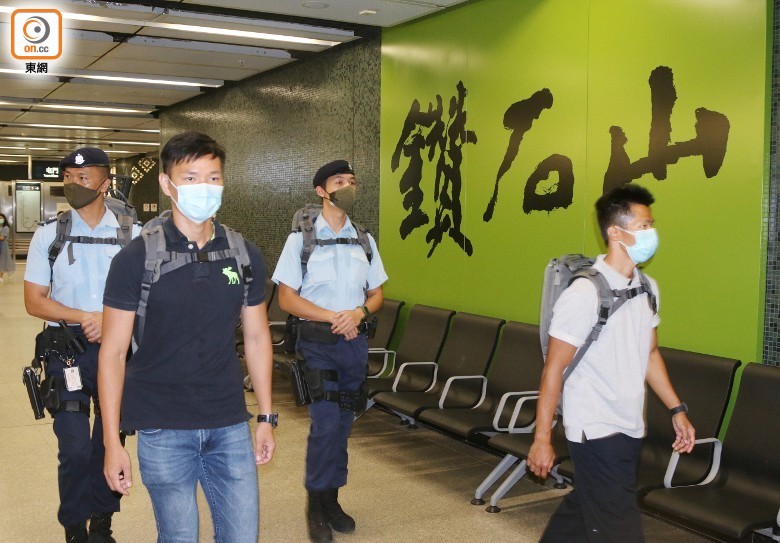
6	262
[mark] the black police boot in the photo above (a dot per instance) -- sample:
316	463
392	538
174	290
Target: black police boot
337	518
100	528
76	534
319	530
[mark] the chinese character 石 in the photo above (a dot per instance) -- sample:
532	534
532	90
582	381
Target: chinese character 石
428	129
537	196
712	134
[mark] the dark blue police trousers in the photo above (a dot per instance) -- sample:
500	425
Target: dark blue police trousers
82	485
326	454
603	506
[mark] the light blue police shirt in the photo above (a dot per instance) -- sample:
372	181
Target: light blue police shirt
336	274
78	286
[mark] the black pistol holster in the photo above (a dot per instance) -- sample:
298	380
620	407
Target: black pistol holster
54	341
308	386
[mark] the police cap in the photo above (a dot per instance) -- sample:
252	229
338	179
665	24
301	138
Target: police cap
332	168
86	156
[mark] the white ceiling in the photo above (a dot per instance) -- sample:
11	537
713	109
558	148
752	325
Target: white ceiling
195	46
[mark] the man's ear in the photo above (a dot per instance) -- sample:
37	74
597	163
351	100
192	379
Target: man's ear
104	185
613	233
321	192
165	183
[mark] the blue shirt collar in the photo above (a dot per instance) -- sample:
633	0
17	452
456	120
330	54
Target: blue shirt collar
108	220
321	226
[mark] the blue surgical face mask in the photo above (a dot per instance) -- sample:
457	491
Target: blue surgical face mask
198	202
644	247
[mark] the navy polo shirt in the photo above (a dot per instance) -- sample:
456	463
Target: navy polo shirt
185	373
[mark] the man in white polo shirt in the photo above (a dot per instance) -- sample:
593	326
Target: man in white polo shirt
603	400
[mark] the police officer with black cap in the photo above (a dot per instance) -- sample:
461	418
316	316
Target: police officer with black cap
333	294
67	265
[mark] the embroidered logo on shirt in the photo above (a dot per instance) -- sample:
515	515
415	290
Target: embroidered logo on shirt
231	275
79	159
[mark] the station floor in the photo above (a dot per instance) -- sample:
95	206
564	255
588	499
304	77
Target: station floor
405	485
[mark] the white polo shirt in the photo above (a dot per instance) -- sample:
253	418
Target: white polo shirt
605	393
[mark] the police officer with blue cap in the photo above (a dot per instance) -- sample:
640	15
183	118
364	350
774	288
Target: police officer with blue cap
66	271
333	294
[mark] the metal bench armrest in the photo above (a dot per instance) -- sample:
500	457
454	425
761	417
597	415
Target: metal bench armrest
403	366
525	395
718	448
383	370
454	378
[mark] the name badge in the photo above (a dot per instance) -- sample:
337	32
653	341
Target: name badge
73	379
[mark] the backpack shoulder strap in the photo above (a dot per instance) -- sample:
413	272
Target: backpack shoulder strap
306	228
63	232
646	287
237	242
154	244
363	240
124	233
607	304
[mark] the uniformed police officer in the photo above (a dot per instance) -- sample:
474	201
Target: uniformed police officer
71	289
339	290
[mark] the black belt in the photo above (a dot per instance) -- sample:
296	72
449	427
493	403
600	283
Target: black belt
319	332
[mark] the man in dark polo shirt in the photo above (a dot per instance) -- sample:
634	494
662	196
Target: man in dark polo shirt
182	391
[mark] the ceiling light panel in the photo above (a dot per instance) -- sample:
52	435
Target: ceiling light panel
25	87
71	117
192	59
93	134
143	98
200	31
389	12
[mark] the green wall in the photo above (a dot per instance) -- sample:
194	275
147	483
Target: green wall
595	59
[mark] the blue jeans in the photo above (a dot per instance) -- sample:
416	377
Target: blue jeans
172	462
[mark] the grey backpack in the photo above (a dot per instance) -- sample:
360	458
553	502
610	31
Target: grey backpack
125	216
303	222
562	272
160	261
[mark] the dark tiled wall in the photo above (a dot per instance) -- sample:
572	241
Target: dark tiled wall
278	128
144	172
772	312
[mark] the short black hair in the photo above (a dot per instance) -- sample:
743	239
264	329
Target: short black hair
4	217
614	207
189	146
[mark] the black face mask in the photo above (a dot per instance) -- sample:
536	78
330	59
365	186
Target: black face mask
78	196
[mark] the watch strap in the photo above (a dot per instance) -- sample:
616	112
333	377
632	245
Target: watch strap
682	408
271	418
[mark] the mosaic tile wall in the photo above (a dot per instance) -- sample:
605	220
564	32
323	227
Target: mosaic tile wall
144	171
772	224
280	127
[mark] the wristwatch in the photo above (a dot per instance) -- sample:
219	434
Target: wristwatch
272	419
366	312
682	408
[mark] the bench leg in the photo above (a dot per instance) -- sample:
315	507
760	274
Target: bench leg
559	482
494	476
508	483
